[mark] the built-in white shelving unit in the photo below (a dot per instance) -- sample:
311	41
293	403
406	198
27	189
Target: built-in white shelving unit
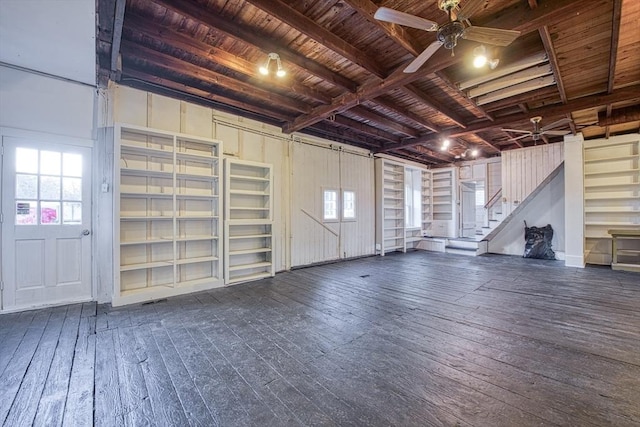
443	199
404	209
427	203
390	218
167	205
248	221
611	193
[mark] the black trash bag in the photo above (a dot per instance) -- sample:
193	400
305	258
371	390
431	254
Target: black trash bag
538	242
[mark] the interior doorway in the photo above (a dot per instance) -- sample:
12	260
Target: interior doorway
46	223
472	214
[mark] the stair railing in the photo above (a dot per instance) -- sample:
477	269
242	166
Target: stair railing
492	202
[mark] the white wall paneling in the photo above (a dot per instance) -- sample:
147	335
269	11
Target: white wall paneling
318	167
546	207
66	27
524	169
445	202
38	103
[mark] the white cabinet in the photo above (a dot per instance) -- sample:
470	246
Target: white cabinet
611	192
167	209
443	196
248	221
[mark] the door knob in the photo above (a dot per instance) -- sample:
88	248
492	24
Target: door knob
86	232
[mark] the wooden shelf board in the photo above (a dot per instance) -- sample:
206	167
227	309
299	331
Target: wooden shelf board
137	149
250	193
250	236
199	157
249	266
145	173
145	218
145	265
196	260
249	178
249	277
195	238
250	251
612	159
144	242
612	172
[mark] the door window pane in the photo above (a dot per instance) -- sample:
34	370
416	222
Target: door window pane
72	165
50	187
49	212
71	213
50	163
26	186
26	212
330	205
26	160
72	188
348	205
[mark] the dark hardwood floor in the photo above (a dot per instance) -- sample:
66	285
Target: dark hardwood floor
417	339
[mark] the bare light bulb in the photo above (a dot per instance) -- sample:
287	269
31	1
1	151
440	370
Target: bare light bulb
263	70
474	153
479	61
280	73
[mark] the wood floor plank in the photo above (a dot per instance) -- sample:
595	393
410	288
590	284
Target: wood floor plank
52	402
195	408
108	405
26	402
422	339
80	397
18	364
133	389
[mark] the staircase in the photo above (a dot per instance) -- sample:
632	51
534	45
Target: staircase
466	246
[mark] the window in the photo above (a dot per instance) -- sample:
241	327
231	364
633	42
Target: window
348	205
413	198
330	205
48	187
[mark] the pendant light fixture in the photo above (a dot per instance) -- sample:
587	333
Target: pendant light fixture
264	69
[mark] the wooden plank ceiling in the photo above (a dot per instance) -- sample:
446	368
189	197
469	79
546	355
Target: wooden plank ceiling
580	60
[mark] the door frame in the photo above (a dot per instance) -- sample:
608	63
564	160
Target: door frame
8	132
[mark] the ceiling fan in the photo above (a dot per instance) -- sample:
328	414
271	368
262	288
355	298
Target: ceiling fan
538	131
448	34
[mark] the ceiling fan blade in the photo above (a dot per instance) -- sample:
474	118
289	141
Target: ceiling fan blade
469	8
516	131
556	124
494	36
423	57
555	132
395	17
521	137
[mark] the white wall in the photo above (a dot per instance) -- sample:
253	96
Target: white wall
523	170
547	207
44	104
574	200
51	36
302	166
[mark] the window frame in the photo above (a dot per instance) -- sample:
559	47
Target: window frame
355	205
337	202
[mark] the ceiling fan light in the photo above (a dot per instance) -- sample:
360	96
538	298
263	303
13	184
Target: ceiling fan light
446	143
474	152
264	70
281	73
479	61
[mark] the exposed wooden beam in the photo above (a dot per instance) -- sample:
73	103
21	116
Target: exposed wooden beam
533	4
360	127
377	118
216	23
432	153
524	99
620	115
615	37
440	107
515	17
342	133
149	81
553	61
118	22
629	93
397	33
168	63
296	20
512	139
429	139
447	81
407	113
204	50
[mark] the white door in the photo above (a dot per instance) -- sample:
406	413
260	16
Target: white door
46	223
468	209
